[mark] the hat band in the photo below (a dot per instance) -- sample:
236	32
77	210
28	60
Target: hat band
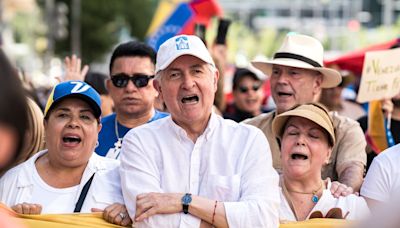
287	55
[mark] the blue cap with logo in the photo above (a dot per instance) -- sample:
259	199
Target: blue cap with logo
76	89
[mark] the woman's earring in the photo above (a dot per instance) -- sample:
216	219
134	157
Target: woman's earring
97	144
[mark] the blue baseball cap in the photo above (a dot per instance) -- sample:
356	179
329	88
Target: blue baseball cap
77	89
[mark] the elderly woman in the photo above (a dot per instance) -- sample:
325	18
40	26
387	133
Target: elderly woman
67	177
307	136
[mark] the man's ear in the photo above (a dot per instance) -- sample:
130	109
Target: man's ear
216	77
157	86
317	84
108	84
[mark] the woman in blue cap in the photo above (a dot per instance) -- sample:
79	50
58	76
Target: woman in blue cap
67	177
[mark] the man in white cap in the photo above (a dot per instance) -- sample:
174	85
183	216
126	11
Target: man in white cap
297	75
194	168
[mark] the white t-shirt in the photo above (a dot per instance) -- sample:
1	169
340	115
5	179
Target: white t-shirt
57	200
383	178
352	204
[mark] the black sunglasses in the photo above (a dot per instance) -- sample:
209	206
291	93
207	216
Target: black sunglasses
121	80
244	89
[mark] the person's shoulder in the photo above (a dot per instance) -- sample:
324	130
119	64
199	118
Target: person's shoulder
108	119
159	115
260	120
342	123
242	128
390	154
104	163
154	127
22	170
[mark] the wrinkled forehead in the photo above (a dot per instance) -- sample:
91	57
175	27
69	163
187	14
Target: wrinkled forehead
290	68
186	61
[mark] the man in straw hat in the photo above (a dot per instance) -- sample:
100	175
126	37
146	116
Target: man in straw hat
194	168
297	75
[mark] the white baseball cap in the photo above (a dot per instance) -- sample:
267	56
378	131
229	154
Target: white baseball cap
181	45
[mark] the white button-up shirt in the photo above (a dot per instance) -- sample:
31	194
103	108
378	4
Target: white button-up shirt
229	162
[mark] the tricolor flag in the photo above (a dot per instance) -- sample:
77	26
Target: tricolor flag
175	17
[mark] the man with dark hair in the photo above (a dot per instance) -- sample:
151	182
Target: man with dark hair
131	88
247	96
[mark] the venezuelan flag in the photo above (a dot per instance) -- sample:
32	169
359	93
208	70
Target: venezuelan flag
378	134
175	17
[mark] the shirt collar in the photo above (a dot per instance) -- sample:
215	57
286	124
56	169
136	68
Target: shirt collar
211	125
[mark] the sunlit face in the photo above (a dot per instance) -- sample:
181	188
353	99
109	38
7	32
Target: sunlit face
291	86
248	95
71	133
187	87
8	144
304	148
130	100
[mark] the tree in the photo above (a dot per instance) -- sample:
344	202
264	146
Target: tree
102	22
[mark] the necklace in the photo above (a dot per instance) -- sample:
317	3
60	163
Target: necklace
118	143
314	197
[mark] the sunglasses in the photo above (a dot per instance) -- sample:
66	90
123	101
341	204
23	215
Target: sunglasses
244	89
121	80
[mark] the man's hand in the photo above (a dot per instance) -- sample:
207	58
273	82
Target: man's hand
115	213
149	204
73	69
27	208
339	189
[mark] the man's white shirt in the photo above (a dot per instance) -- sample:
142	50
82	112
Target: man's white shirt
229	162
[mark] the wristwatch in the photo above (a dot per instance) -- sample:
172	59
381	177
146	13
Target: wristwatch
186	199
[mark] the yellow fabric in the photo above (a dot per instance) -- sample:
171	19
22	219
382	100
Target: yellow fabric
376	126
65	220
164	10
319	223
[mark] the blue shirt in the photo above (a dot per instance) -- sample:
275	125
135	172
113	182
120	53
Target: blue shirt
108	137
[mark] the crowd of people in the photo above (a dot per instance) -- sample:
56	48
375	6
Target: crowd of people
148	145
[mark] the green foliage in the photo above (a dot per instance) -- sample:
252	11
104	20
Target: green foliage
102	22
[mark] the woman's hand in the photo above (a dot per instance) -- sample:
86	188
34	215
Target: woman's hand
149	204
115	213
339	189
27	208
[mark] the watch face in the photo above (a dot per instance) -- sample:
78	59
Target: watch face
186	199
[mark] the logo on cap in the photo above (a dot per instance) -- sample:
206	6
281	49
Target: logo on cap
182	43
79	87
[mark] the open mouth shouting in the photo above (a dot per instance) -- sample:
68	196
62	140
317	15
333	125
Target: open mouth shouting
71	140
190	99
284	94
298	156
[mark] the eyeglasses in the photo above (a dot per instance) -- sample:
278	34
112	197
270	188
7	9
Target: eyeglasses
121	80
244	89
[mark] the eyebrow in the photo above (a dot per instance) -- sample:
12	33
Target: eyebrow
69	110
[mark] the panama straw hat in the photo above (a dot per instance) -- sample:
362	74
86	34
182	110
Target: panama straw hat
312	111
301	51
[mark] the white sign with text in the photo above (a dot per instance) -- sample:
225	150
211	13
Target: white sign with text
380	76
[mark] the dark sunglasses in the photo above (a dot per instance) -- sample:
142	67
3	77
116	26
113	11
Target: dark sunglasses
244	89
121	80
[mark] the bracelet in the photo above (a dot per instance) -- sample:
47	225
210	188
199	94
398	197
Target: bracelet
213	216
